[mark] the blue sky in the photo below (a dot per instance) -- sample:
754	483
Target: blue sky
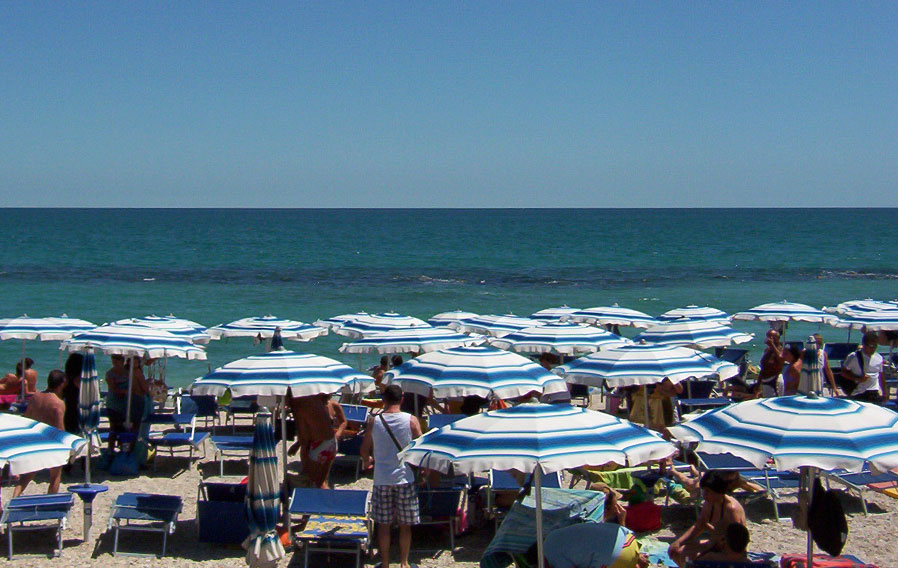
449	104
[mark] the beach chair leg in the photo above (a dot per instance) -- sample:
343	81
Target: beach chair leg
164	542
9	534
452	522
59	539
863	501
305	555
115	540
220	465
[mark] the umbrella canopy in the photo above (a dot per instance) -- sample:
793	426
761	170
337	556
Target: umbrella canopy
263	546
494	325
265	327
698	313
563	338
644	364
27	445
134	340
553	314
884	320
799	431
409	340
187	329
45	329
334	323
852	307
693	333
271	374
445	318
466	371
785	312
370	324
613	315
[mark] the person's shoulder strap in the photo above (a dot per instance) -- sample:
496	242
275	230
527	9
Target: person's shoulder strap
859	355
390	432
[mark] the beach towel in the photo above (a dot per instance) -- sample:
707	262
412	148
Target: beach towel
592	545
823	561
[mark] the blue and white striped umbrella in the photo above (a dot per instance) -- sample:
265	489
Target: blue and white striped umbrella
613	315
411	340
370	324
444	319
644	364
562	338
263	499
885	320
799	431
785	312
697	313
554	314
852	307
134	340
265	326
494	325
271	374
187	329
479	370
45	329
28	445
89	399
693	333
334	323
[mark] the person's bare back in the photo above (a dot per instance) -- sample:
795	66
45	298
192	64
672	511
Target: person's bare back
48	408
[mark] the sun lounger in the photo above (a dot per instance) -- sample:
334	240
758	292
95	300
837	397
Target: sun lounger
863	481
338	521
21	512
820	559
221	512
503	484
442	506
770	480
144	512
203	406
688	405
229	446
240	406
184	436
440	420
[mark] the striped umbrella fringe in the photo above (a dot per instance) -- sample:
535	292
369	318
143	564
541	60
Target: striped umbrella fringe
799	431
697	313
444	319
263	498
553	436
412	340
494	325
370	324
785	311
885	320
334	323
272	374
475	370
554	314
134	340
45	329
691	333
563	338
186	329
27	445
613	315
643	364
89	399
854	307
265	326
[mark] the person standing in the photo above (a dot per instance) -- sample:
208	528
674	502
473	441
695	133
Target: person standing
320	423
815	367
864	368
394	498
770	379
46	407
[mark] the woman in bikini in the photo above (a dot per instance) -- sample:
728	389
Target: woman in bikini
718	512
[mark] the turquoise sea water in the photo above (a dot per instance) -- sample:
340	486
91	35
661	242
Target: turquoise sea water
215	266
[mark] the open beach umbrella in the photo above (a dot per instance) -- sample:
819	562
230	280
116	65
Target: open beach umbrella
561	338
476	370
443	319
554	314
334	323
28	445
696	334
409	340
187	329
538	438
368	324
699	313
613	315
852	307
263	546
263	327
884	320
785	312
494	325
806	432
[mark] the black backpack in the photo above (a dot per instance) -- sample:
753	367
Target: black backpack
826	520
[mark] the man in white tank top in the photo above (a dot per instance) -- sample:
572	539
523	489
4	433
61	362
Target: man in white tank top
394	498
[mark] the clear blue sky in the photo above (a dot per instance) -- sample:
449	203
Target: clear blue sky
443	104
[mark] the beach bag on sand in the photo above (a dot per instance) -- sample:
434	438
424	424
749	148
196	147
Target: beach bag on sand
821	561
826	520
644	517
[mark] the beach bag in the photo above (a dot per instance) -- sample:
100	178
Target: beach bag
826	520
158	390
820	561
644	517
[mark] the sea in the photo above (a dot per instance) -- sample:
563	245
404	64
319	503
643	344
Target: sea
218	265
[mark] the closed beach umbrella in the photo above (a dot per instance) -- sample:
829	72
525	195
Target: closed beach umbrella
553	314
693	312
443	319
785	312
494	325
562	338
264	327
410	340
187	329
369	324
476	370
613	315
538	438
263	546
89	405
28	445
691	333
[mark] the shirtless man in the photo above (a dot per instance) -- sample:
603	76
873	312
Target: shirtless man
12	383
320	422
379	371
46	407
718	512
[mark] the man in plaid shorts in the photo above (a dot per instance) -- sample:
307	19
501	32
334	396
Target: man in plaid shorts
394	498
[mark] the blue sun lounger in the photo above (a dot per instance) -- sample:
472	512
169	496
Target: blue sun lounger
440	420
145	512
859	482
21	511
227	446
338	521
184	435
771	480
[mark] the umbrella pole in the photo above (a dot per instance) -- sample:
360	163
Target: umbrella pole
812	475
23	370
130	389
645	400
538	483
286	503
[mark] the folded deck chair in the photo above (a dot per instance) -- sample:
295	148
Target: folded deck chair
770	480
338	521
443	506
862	481
221	512
183	436
21	512
144	512
229	446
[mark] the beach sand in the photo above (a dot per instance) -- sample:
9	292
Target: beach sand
873	538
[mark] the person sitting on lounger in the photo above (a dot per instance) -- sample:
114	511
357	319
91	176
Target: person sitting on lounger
735	546
46	407
718	512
